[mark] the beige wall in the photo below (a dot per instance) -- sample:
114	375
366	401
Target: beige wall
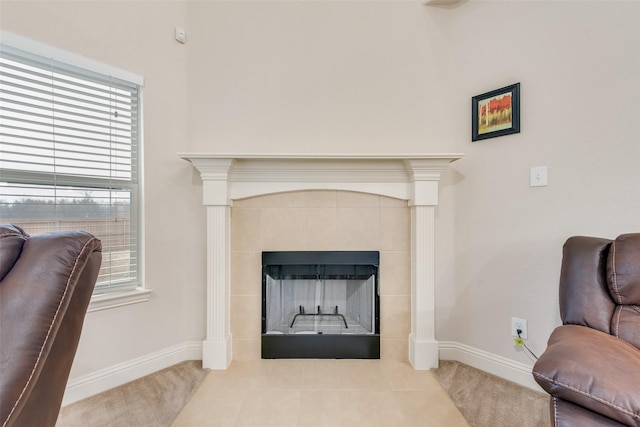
320	220
374	77
578	68
310	76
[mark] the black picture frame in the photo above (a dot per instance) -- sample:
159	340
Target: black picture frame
495	113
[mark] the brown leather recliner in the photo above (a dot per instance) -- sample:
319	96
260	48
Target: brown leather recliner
46	282
591	367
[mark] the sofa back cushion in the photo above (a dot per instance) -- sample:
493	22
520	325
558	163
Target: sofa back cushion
623	269
43	301
623	279
584	294
12	239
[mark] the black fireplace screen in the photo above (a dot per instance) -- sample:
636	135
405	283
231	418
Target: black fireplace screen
313	301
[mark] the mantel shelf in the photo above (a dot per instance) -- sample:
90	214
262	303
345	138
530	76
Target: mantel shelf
231	176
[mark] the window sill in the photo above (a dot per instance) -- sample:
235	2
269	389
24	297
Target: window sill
118	299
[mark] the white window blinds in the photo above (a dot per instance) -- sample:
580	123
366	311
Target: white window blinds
69	141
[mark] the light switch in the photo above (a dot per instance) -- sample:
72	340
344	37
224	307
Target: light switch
538	176
181	35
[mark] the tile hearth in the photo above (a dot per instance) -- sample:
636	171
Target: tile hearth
320	393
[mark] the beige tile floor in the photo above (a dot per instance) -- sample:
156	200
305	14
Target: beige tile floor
319	393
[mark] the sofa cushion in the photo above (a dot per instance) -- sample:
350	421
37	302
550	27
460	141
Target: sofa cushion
623	269
12	239
625	324
592	369
43	299
623	279
566	414
584	293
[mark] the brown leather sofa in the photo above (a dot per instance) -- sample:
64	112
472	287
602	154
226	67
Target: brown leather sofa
46	282
591	367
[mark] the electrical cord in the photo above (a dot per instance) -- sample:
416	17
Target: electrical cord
525	345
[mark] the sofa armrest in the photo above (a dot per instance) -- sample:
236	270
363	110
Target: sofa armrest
594	370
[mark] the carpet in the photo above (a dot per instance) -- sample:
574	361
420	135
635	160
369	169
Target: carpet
489	401
154	400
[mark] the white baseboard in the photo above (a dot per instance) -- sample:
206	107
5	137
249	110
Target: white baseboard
108	378
499	366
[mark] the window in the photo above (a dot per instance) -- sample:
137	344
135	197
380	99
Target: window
69	155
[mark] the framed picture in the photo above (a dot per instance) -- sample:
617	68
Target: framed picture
496	113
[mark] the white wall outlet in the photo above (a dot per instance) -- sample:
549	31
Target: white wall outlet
521	324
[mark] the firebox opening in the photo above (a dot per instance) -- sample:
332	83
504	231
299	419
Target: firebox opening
320	304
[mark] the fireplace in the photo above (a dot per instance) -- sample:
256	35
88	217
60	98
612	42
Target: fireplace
320	304
229	177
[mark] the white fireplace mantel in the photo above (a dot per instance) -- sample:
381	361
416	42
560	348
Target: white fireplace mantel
412	177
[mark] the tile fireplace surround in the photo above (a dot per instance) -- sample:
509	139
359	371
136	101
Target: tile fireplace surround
323	188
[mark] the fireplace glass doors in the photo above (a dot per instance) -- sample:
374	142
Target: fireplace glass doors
320	305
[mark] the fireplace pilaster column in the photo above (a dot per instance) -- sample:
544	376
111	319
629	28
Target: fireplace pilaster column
216	348
423	346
